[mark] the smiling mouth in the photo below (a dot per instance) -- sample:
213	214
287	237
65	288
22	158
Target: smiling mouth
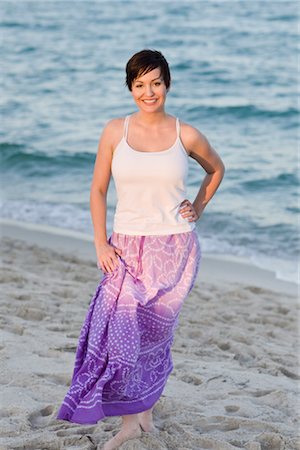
149	102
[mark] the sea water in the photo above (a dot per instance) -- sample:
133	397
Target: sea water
234	77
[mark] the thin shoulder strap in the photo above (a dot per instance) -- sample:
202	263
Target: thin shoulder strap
177	127
126	127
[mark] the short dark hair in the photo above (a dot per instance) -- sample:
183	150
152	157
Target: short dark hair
145	61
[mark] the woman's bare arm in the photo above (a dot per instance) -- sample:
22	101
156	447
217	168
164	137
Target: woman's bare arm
98	193
200	149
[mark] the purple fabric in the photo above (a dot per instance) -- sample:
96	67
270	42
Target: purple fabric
123	357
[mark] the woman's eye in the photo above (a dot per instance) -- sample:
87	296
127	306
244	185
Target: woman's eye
138	85
157	83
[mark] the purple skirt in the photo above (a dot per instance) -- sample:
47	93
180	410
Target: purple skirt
123	357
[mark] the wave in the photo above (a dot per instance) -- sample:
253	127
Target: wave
279	181
17	156
244	111
283	18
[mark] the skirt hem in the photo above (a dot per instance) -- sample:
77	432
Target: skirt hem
112	410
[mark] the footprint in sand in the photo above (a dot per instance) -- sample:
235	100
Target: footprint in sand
66	348
81	278
84	442
231	408
16	329
191	379
260	393
57	328
73	335
252	445
289	374
9	277
40	418
272	441
256	290
223	345
60	379
75	431
63	293
30	313
282	310
22	297
223	423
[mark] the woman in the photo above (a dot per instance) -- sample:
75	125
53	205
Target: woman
150	261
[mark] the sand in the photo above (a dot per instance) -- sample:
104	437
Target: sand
235	382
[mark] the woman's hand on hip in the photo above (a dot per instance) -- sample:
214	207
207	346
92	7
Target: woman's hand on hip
188	211
107	257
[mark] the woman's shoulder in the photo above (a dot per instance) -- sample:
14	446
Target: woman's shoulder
115	124
189	130
113	130
190	135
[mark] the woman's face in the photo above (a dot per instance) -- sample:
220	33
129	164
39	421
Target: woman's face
149	91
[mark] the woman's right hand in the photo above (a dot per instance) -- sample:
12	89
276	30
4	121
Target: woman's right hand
107	257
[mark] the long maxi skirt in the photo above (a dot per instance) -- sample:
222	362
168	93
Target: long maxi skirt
123	357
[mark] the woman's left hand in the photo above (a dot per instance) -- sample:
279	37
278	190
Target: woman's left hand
188	211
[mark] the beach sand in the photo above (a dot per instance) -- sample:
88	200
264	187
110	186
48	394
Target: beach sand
236	375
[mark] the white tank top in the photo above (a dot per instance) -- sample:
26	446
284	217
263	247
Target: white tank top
150	187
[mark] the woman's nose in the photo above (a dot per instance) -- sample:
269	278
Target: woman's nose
149	91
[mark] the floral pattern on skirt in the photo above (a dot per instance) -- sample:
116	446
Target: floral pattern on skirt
123	357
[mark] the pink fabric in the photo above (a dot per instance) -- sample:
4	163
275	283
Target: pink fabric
123	358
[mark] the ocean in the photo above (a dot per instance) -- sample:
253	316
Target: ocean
234	77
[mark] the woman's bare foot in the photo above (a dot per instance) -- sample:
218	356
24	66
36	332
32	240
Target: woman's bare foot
146	420
130	430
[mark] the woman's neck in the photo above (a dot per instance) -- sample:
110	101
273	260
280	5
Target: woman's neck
150	118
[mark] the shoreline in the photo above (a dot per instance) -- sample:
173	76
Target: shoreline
226	268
